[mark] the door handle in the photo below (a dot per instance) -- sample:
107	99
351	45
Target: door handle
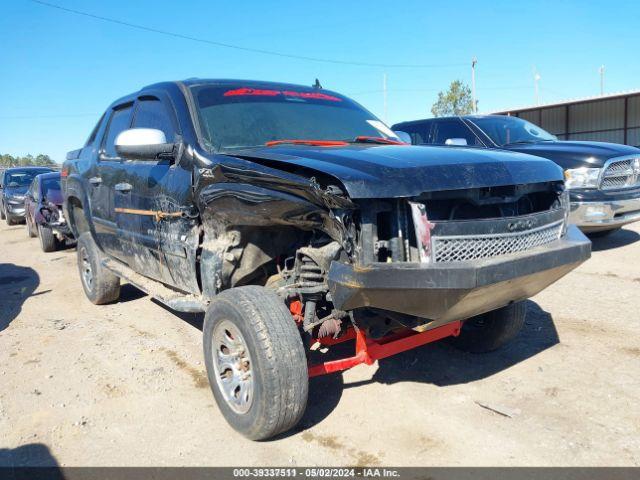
95	180
123	187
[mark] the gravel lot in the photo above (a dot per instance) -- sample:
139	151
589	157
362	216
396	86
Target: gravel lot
124	384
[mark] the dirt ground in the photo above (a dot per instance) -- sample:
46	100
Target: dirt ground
124	384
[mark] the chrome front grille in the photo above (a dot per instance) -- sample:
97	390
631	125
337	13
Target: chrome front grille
621	173
473	247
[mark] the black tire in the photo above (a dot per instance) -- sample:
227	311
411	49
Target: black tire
491	330
30	231
8	218
277	362
48	240
602	233
2	214
100	284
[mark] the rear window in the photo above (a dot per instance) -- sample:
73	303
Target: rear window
47	184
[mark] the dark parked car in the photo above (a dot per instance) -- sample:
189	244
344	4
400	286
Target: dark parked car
603	178
295	218
43	212
13	186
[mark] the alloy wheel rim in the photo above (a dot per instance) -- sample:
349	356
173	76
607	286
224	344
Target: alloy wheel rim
87	271
232	366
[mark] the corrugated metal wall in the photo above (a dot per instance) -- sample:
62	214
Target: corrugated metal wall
608	120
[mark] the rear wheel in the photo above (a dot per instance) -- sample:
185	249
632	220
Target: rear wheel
255	361
100	284
48	240
491	330
2	214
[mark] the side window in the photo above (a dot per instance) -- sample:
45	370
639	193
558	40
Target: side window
120	121
94	132
419	132
447	129
35	190
151	113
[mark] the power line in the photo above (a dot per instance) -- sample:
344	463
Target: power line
238	47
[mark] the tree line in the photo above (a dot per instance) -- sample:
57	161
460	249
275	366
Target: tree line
29	160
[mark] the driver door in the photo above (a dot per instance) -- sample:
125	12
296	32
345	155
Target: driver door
159	248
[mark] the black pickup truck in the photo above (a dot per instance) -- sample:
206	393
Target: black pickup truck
297	220
603	178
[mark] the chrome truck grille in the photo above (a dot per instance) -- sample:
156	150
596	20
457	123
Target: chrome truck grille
621	173
462	248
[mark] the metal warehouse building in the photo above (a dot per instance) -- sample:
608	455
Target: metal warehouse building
608	118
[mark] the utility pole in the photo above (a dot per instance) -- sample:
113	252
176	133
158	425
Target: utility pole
536	79
601	69
474	61
384	97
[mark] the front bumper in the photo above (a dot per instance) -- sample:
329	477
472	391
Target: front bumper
446	292
15	210
604	215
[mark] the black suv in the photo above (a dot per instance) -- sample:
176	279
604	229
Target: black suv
603	178
14	184
296	219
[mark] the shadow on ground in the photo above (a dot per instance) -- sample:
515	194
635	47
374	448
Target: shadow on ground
438	364
32	461
621	238
443	365
129	293
16	285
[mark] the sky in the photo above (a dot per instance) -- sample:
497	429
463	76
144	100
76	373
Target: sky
59	70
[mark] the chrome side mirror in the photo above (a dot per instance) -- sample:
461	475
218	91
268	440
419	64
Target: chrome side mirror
142	144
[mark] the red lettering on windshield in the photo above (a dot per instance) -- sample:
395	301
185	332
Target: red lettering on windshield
238	92
314	95
250	91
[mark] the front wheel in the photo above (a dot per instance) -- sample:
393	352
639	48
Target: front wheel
255	361
7	217
48	240
30	230
491	330
2	214
100	284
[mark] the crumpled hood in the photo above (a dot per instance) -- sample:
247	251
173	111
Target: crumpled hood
570	154
376	171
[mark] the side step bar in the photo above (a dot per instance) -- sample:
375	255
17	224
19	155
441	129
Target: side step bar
181	302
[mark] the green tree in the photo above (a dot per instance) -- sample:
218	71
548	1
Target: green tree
43	160
40	160
455	101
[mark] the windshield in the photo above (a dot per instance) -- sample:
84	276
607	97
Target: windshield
509	130
22	178
235	117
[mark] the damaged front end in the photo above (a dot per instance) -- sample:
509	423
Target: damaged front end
391	273
50	215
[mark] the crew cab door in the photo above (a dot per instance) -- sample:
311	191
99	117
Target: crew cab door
157	245
101	179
